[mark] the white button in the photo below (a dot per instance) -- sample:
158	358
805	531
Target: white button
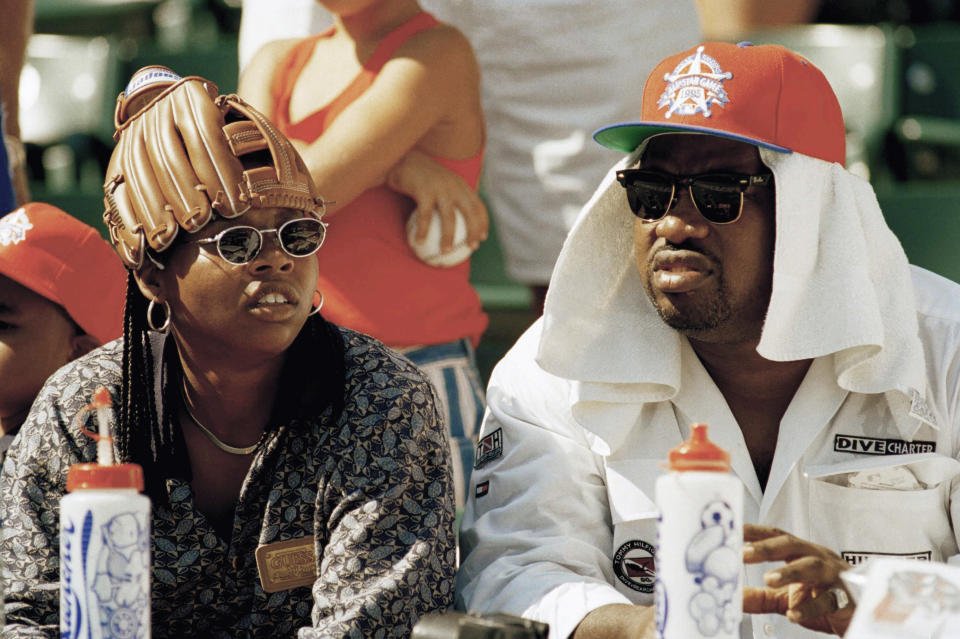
768	629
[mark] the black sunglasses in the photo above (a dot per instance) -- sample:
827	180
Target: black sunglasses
241	244
718	197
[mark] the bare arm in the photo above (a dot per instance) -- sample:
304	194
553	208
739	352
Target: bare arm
15	29
617	621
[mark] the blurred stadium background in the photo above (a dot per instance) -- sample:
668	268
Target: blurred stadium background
894	64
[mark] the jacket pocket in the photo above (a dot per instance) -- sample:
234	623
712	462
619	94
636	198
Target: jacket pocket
905	513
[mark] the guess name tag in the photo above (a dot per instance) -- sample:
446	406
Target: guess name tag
287	564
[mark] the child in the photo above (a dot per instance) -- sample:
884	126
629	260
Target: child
61	296
399	126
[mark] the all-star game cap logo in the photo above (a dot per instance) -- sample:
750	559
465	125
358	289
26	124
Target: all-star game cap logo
694	86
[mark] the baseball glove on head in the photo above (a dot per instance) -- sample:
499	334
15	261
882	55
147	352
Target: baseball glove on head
184	154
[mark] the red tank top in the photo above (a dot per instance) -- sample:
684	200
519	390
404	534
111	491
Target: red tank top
370	278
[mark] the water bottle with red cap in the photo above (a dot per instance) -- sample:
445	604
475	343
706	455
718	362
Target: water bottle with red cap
699	587
104	542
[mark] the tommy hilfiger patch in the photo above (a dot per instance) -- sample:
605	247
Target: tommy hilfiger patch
853	557
489	448
482	489
634	565
876	446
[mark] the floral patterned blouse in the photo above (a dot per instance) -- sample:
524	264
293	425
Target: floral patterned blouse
372	487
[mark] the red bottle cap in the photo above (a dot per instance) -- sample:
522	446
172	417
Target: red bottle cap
83	476
699	453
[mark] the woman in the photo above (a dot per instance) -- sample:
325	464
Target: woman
255	420
385	105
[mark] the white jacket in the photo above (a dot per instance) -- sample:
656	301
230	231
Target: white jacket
563	492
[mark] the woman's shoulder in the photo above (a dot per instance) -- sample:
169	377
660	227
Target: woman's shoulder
369	362
443	45
256	79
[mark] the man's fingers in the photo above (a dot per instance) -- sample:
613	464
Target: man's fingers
760	601
784	547
755	532
815	571
814	607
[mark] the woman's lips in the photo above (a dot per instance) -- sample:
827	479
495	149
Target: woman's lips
274	302
681	271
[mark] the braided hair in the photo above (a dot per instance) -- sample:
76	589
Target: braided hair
145	432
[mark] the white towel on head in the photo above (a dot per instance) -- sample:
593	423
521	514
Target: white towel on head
841	286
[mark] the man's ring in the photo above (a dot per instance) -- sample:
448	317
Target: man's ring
840	598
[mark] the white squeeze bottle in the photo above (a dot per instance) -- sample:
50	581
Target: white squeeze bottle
699	586
104	543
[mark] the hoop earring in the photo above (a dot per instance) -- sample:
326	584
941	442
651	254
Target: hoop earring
319	306
166	320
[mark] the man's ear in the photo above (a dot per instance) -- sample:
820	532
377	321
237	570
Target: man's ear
81	344
148	281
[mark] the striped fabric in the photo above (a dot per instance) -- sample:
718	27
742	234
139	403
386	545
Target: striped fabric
452	369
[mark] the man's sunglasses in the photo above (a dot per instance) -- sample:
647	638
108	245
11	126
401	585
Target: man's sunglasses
241	244
717	196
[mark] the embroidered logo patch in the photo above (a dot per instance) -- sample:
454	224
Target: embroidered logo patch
489	448
482	489
14	227
695	85
921	410
877	446
854	557
634	565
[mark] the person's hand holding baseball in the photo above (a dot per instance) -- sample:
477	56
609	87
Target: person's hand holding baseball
806	589
437	189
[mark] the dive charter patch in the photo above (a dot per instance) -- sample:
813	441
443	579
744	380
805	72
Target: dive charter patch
489	448
634	565
877	446
854	557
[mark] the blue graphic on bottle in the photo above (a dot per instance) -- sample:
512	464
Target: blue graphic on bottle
713	558
119	590
661	606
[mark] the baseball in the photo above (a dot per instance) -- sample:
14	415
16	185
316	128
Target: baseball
429	250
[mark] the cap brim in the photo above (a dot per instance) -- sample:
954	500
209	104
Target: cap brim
627	136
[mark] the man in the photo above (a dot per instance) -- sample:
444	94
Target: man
61	296
731	272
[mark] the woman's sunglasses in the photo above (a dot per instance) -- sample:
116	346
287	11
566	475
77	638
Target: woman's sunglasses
718	197
241	244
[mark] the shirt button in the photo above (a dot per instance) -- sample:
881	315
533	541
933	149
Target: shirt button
768	629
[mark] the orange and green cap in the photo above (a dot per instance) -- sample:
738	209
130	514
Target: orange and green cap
764	95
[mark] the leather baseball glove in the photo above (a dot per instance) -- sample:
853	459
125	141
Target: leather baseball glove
184	154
